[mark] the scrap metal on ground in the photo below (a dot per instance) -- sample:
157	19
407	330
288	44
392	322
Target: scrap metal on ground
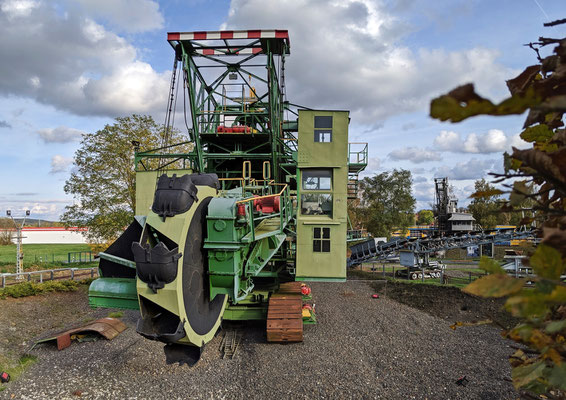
108	328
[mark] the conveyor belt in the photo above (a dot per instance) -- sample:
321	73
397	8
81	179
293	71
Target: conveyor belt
368	251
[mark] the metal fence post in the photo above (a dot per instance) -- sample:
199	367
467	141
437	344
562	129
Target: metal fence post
73	274
3	281
41	277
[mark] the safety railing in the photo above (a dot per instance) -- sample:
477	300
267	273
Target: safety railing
175	156
285	209
357	153
264	186
48	275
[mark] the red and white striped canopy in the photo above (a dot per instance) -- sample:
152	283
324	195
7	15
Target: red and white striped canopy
281	36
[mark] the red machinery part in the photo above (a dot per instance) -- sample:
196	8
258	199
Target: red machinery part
305	290
234	129
241	211
267	205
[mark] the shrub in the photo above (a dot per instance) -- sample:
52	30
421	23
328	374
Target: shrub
31	289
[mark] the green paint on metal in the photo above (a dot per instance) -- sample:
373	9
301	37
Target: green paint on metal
113	293
262	252
117	260
322	195
245	313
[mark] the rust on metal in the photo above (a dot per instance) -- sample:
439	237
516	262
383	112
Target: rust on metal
109	328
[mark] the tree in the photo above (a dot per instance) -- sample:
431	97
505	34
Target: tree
537	176
103	177
387	203
425	217
486	209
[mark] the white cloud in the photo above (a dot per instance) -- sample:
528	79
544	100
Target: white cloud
348	55
42	209
83	67
61	134
424	192
128	15
49	209
493	141
415	155
60	163
374	164
17	8
471	169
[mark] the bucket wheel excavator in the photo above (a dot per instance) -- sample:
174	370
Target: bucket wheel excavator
231	222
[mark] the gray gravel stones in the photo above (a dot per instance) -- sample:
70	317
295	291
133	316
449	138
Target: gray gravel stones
362	348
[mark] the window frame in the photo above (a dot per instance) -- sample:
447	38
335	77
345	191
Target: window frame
323	126
321	241
325	173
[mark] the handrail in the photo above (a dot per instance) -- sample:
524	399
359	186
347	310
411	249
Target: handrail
73	271
362	152
265	196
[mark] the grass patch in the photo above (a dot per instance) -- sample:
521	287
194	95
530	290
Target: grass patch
16	367
116	314
31	288
33	253
476	270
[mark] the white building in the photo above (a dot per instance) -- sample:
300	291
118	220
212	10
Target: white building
36	235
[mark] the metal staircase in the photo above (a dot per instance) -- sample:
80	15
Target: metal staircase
357	161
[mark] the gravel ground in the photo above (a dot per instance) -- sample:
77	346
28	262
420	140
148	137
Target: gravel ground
361	348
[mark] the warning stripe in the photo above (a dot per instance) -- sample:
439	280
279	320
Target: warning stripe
219	35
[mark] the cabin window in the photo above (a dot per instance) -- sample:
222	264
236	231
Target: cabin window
317	179
321	240
316	204
323	129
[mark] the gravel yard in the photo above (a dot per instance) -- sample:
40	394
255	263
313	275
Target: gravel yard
361	348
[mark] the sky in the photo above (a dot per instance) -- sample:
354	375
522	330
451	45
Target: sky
71	66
